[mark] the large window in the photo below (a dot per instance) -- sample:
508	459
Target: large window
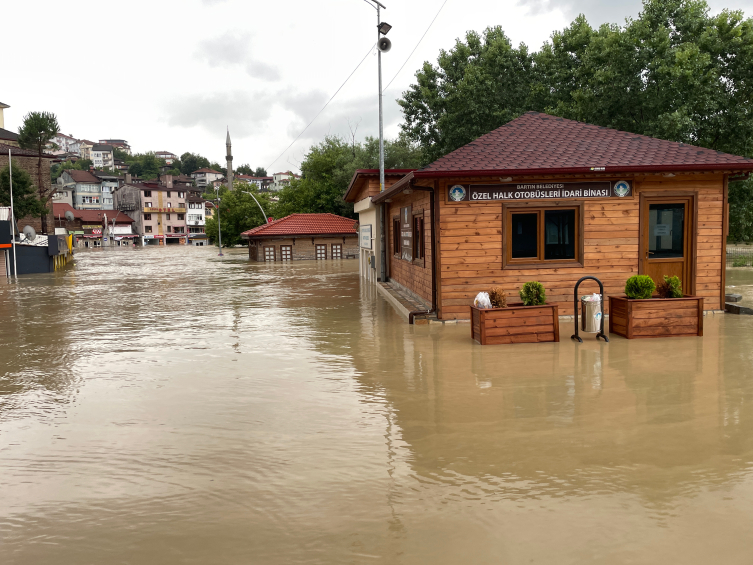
269	253
286	252
337	250
542	235
321	252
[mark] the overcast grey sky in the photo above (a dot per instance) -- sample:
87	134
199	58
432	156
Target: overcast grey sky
171	75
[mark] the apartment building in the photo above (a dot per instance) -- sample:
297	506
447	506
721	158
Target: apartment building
103	156
63	144
85	188
159	211
281	180
204	177
168	157
121	144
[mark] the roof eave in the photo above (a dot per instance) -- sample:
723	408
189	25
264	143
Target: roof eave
580	170
395	188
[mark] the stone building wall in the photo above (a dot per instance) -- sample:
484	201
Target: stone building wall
303	248
29	164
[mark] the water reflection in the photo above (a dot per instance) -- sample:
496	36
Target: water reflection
163	405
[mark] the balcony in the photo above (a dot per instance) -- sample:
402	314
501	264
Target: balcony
148	210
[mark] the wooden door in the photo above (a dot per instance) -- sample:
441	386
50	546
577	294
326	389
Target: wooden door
667	228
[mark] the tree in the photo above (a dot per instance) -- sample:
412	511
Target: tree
145	165
328	167
245	170
36	132
25	198
238	212
191	162
260	172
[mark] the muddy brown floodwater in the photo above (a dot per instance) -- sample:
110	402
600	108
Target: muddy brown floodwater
162	405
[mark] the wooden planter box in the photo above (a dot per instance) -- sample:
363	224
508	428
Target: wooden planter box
515	324
656	317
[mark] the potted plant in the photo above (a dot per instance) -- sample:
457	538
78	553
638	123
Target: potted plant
640	314
530	321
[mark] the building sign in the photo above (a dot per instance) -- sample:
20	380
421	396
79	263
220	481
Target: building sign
97	231
366	236
406	234
540	191
92	227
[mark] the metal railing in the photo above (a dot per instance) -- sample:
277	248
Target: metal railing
741	256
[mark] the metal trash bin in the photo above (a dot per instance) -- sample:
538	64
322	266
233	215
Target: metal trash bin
590	317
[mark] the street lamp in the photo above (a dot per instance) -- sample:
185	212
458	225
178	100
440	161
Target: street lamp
219	226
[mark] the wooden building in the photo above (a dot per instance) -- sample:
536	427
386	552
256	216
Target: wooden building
363	188
549	199
296	237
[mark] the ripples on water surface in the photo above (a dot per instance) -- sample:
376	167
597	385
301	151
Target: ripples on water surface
163	405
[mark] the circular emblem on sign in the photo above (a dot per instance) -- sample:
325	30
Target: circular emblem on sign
457	193
622	188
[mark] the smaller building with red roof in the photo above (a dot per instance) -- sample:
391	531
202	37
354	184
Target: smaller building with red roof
304	237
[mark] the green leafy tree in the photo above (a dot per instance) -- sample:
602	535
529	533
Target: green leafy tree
190	162
146	166
26	200
238	212
260	172
328	167
35	133
245	169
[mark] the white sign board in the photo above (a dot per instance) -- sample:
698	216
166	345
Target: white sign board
662	229
366	236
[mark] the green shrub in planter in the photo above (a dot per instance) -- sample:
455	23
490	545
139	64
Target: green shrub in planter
639	287
533	294
670	287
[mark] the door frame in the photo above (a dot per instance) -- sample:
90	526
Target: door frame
691	242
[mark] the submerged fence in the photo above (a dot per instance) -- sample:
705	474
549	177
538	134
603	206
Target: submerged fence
740	256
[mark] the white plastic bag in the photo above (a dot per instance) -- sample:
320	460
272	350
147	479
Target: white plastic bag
482	301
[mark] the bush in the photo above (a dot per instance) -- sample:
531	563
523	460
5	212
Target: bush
670	287
740	261
639	287
498	298
533	294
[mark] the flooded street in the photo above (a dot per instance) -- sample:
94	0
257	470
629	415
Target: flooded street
164	405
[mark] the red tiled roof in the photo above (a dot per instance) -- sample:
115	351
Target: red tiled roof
90	216
305	224
82	176
206	171
538	143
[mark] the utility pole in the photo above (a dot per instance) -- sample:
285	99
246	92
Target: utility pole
383	44
12	216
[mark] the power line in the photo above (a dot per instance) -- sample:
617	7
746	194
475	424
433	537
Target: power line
417	44
323	108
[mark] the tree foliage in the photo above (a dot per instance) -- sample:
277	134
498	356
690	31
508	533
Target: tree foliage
328	168
238	212
677	72
145	165
190	162
246	169
25	199
35	133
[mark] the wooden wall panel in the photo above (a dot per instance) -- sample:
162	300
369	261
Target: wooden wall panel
470	242
414	277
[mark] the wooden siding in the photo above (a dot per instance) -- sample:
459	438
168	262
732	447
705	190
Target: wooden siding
669	317
416	275
515	324
470	243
